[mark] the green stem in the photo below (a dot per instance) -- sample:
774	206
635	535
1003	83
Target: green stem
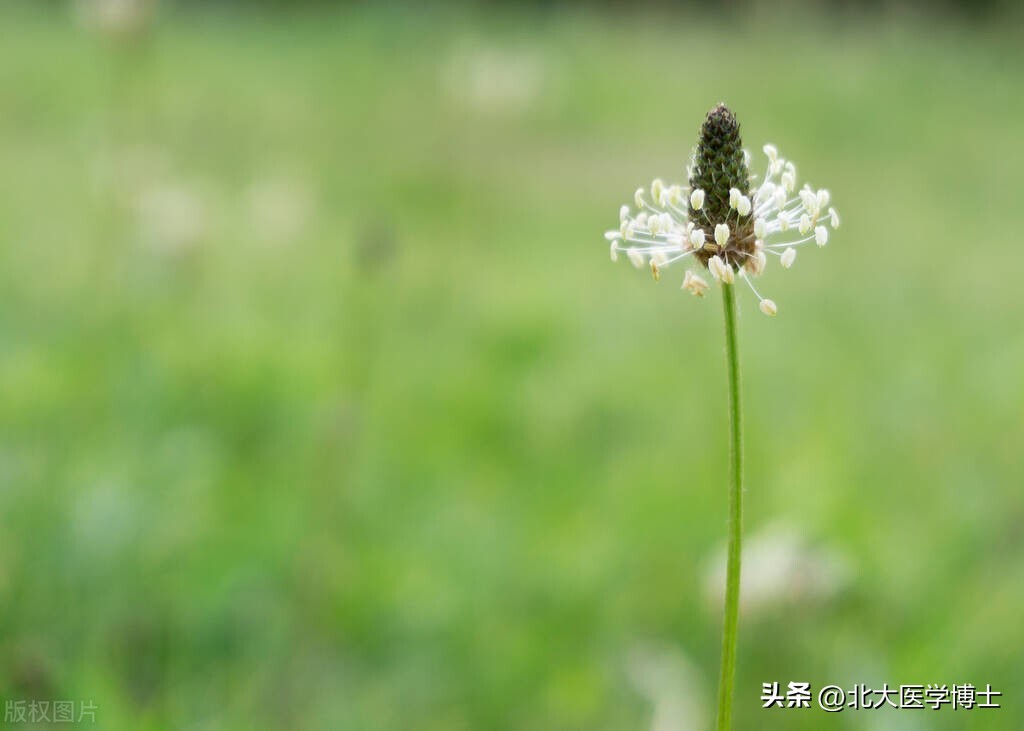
732	575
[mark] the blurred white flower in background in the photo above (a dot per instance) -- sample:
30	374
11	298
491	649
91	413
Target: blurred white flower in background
118	19
495	79
279	209
172	218
781	568
671	683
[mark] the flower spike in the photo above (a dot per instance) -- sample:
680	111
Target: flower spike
719	219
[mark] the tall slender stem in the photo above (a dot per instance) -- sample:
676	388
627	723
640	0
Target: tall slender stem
732	580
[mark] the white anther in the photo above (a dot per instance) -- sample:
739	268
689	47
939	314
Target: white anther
722	234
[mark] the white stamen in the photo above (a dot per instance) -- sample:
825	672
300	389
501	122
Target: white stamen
743	205
657	186
722	234
756	263
694	284
635	257
760	228
697	199
809	201
720	270
834	215
768	307
820	235
765	192
788	257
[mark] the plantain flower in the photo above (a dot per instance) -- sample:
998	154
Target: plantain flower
724	219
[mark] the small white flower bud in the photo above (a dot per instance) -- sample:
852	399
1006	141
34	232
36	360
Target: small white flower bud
760	228
768	307
697	238
638	197
722	234
805	224
820	235
657	186
823	198
734	197
743	206
694	284
771	152
635	257
697	199
834	215
788	257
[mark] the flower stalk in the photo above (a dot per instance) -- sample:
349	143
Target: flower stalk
732	576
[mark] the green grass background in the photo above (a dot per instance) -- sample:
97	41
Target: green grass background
430	461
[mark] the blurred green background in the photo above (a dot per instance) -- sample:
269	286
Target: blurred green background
322	406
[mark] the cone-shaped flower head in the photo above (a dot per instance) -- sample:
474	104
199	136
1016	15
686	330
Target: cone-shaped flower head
720	170
718	166
725	218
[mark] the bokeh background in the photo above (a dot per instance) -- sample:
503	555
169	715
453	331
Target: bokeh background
322	406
